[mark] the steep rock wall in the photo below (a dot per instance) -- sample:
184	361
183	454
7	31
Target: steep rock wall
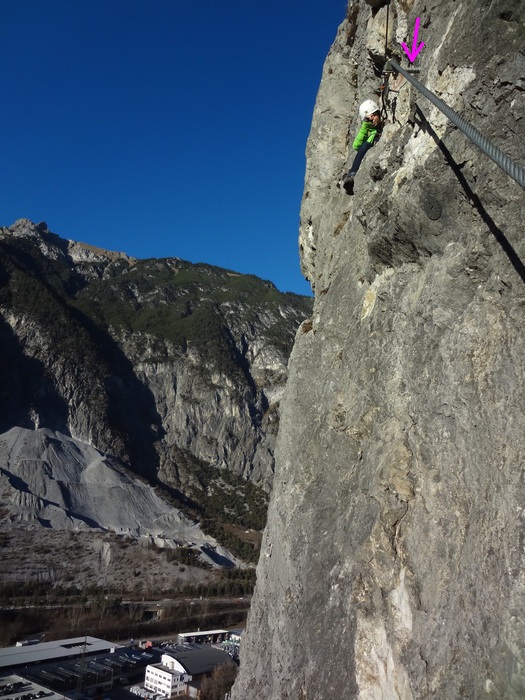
393	562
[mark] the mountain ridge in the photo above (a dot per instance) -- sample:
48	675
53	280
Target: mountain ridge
172	369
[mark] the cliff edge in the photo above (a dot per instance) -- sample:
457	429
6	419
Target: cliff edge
393	563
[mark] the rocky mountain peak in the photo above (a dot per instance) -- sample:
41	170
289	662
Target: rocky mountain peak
55	247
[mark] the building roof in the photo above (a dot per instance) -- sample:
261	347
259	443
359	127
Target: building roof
201	633
173	671
28	687
13	657
199	661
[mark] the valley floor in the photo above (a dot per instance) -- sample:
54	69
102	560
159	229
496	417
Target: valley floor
64	584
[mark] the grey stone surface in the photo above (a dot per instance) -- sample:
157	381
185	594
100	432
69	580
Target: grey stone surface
393	564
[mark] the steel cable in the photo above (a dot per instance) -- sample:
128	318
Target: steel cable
504	161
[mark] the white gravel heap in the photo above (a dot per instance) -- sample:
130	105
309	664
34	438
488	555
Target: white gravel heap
48	479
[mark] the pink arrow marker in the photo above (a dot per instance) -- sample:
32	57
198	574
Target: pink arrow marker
412	55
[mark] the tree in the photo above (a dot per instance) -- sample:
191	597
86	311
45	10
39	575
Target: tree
216	686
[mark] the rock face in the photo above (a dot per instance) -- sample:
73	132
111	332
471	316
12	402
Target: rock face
393	564
172	370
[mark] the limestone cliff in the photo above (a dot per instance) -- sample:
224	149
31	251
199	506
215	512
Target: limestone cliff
393	563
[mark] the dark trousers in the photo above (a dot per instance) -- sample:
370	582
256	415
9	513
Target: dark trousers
361	153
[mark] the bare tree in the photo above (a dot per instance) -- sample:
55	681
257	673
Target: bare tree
216	686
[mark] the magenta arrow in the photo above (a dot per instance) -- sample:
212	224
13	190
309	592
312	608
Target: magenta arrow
412	55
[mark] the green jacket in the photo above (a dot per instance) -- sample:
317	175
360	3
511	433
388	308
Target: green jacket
367	132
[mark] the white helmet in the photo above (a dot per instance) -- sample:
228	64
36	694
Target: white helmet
367	108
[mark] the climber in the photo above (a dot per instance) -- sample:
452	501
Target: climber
369	133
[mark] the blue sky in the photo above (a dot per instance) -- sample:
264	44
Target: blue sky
164	127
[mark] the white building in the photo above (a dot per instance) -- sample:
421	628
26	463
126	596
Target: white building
169	678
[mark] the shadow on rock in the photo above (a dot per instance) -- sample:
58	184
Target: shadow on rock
132	423
472	196
27	390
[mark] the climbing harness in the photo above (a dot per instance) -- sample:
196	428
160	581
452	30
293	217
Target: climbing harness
504	161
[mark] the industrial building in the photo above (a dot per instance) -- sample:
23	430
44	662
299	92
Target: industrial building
83	666
181	669
60	650
202	637
169	678
232	645
71	667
